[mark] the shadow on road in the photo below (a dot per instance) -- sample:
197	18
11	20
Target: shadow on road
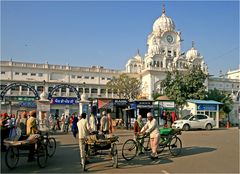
186	151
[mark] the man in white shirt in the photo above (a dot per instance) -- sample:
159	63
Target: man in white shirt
104	123
92	122
83	131
151	127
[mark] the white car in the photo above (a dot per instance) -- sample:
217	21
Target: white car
199	121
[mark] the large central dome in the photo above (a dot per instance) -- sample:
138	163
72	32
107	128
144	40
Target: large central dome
163	23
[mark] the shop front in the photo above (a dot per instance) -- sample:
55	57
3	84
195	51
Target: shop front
15	104
119	105
164	111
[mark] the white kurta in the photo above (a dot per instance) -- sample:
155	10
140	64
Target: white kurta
152	128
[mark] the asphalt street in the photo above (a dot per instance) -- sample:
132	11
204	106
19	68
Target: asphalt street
215	151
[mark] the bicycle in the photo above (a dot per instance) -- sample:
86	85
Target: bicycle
170	139
131	147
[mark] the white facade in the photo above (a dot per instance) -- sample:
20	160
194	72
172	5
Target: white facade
229	82
163	54
92	80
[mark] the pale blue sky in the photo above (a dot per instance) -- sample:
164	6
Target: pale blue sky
85	33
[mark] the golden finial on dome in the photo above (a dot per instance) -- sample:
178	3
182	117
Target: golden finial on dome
193	44
163	9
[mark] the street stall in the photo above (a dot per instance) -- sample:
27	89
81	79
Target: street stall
207	107
164	111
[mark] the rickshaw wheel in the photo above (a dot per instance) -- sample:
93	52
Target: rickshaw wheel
12	157
42	155
51	146
175	146
114	154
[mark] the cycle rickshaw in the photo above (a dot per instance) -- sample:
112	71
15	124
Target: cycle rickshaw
21	148
98	143
169	138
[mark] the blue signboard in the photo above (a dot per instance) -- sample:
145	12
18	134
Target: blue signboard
28	104
133	105
210	107
64	100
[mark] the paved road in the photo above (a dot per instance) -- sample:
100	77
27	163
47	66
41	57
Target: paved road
215	151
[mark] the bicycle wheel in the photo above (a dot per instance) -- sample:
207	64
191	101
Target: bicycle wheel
12	157
114	153
42	155
175	146
129	149
51	146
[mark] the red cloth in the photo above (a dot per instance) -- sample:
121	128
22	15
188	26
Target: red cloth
174	116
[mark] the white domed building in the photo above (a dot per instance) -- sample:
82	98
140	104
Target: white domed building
163	54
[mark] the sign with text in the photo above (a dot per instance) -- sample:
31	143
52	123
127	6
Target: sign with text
207	107
120	102
165	104
64	100
28	104
144	104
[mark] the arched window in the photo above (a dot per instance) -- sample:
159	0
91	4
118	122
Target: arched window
157	63
161	64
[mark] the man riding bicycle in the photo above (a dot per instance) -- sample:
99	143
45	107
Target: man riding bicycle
151	127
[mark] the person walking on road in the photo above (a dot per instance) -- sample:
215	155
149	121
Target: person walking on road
83	132
92	122
151	127
104	123
110	123
138	125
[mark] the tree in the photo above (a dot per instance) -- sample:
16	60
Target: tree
223	97
183	86
155	95
125	86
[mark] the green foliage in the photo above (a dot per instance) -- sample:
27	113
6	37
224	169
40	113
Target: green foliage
125	86
155	95
223	97
183	86
215	95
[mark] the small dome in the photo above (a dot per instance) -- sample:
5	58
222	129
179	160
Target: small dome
130	61
163	23
192	53
138	57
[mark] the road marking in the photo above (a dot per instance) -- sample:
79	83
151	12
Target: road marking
164	171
